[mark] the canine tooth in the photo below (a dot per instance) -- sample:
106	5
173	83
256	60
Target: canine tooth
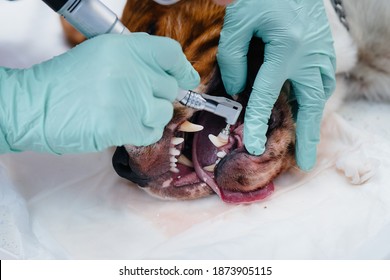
174	170
185	161
190	127
209	168
177	140
172	159
172	164
217	141
221	154
174	152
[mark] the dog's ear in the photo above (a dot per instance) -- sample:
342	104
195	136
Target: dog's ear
120	162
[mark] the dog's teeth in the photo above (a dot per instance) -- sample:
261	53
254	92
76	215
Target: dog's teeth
190	127
172	164
174	152
174	170
177	140
221	154
209	168
185	161
172	159
217	141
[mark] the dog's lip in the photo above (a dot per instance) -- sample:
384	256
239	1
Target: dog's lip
247	197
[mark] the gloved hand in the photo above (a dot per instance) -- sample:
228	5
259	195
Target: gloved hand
298	47
109	91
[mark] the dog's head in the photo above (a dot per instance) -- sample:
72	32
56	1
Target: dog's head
185	164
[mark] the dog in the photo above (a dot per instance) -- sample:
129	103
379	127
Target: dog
187	163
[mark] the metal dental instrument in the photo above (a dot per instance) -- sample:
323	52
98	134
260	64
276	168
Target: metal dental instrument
92	18
220	106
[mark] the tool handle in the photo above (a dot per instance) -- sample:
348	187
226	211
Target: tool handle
90	17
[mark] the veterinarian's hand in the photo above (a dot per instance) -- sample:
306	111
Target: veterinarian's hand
108	91
298	47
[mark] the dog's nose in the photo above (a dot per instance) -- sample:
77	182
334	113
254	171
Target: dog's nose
120	162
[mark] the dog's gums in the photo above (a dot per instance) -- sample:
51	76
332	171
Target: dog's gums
190	161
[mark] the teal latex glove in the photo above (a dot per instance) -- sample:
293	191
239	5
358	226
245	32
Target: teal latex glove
299	48
108	91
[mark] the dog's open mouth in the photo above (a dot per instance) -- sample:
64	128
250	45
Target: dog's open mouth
202	159
190	161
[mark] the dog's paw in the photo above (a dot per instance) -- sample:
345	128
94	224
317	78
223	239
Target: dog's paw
357	167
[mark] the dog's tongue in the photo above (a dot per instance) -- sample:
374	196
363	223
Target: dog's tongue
204	154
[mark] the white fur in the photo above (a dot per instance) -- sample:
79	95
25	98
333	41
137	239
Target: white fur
346	57
363	70
345	47
369	22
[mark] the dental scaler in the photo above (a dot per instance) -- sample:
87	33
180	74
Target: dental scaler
92	18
